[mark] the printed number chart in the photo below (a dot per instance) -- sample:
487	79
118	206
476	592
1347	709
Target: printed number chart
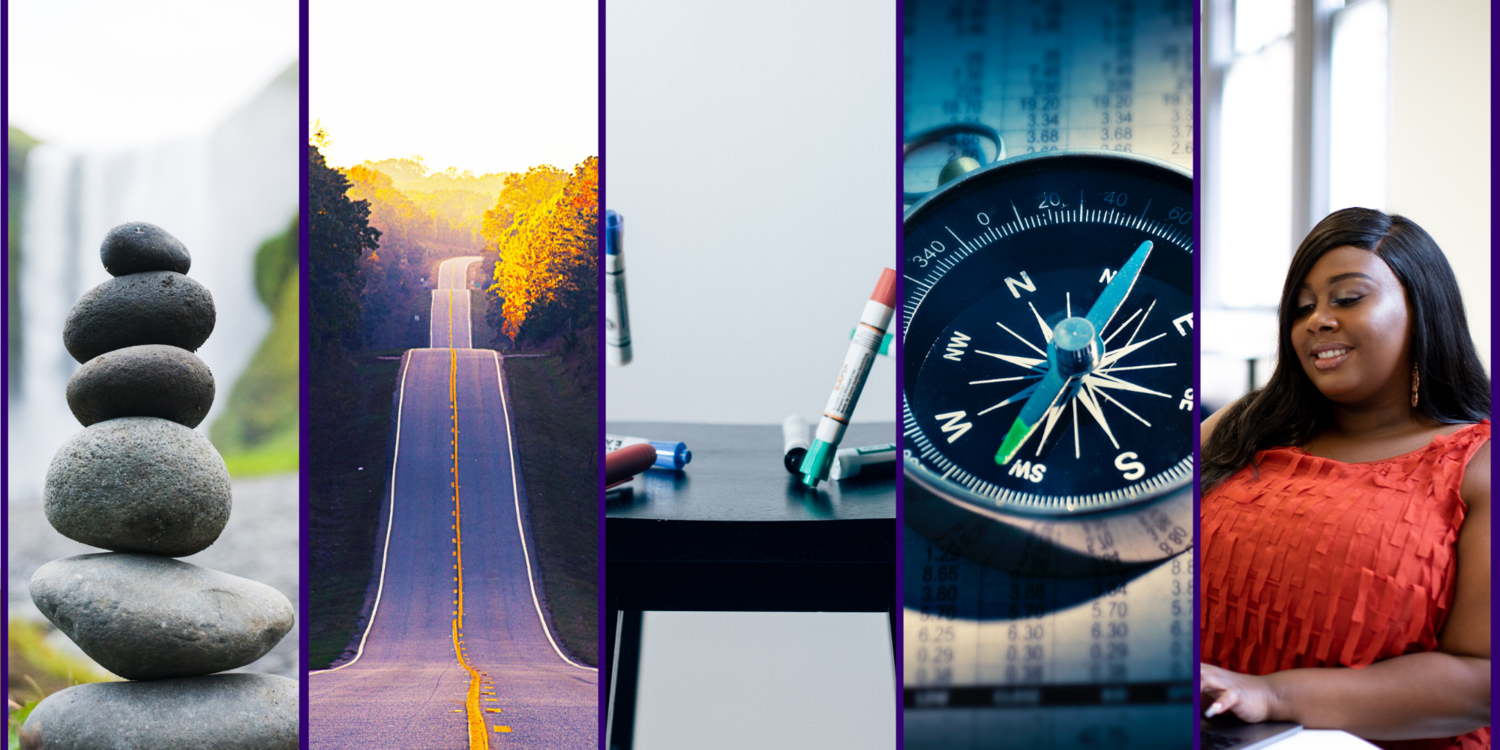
1044	661
1049	75
1002	658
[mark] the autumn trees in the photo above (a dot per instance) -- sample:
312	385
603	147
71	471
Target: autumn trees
379	229
423	219
545	231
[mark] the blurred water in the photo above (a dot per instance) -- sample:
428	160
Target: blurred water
222	194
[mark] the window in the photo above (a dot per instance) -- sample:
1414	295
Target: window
1296	110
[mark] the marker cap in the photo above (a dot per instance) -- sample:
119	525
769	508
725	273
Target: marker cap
794	441
613	225
885	289
671	455
815	464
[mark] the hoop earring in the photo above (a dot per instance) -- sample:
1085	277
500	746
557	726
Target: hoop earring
1416	380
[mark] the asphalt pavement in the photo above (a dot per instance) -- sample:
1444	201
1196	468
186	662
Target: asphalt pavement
407	688
452	294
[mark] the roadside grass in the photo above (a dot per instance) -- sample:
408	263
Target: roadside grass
556	403
348	462
556	399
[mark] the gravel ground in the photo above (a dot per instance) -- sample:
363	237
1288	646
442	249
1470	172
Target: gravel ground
260	543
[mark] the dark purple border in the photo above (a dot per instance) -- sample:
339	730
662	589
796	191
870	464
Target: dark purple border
897	620
604	671
305	312
1197	359
5	342
1494	606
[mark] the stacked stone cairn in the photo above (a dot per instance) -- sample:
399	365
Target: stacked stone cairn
140	482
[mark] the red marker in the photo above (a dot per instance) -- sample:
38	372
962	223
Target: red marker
862	350
621	465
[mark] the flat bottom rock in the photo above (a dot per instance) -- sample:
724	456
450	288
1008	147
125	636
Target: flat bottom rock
221	711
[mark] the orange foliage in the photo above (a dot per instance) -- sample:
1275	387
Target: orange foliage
545	229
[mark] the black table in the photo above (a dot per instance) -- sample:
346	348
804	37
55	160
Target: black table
734	531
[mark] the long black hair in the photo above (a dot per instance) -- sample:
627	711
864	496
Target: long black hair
1290	410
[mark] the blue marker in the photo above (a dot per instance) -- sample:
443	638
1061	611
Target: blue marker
616	312
669	455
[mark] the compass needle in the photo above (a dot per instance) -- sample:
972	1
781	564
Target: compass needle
1037	404
1119	287
1047	595
1001	248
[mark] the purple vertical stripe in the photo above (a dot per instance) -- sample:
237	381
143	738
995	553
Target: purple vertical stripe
5	334
898	631
1197	359
604	672
304	313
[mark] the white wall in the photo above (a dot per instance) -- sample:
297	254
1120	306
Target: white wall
1440	138
751	149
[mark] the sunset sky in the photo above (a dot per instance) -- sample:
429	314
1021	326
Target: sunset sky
482	86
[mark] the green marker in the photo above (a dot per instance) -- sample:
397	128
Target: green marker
872	324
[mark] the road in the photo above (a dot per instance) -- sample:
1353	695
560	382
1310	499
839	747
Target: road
448	551
450	302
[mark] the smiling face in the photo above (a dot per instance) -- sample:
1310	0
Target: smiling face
1351	329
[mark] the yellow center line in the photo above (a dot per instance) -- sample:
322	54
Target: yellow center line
478	738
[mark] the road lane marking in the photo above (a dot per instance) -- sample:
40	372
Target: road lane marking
389	522
510	448
478	738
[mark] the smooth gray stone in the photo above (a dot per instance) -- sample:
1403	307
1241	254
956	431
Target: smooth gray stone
138	246
139	484
155	307
142	381
222	711
145	617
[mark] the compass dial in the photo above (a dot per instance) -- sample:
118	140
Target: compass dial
1048	324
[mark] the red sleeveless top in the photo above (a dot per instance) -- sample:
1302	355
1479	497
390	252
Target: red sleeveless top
1314	562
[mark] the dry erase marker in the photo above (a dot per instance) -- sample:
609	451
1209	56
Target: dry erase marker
871	331
849	462
669	455
885	345
794	442
616	314
621	465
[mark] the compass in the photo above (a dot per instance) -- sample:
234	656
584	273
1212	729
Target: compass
1048	403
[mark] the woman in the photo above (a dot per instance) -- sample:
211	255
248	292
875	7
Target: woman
1345	523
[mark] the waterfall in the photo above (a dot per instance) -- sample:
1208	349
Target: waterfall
222	194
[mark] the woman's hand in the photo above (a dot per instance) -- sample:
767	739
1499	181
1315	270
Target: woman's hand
1248	697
